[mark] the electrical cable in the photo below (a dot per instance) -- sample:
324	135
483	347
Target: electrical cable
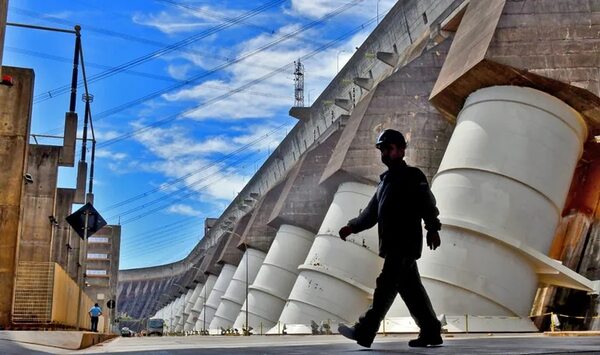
227	19
339	38
201	169
179	191
125	36
226	95
145	214
220	67
151	247
170	48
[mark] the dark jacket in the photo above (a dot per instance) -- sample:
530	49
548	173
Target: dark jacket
402	199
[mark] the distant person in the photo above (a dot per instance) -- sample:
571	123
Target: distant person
402	199
95	312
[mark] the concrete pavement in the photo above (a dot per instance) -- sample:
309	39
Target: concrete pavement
327	344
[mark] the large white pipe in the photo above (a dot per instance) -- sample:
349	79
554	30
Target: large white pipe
173	313
192	301
337	278
194	318
214	298
232	300
500	189
183	314
188	308
275	279
179	313
170	315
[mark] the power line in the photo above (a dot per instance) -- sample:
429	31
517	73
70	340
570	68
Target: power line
121	35
162	199
142	215
201	169
194	222
220	67
131	72
230	93
227	19
330	44
149	247
337	39
155	244
168	49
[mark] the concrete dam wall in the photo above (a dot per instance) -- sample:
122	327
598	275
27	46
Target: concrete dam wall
499	101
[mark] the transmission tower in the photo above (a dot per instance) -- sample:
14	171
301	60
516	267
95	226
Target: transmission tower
299	84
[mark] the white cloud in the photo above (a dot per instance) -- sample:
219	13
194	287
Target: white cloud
63	15
171	143
318	8
262	99
180	155
104	135
259	134
179	72
210	182
182	209
104	153
186	18
170	23
274	94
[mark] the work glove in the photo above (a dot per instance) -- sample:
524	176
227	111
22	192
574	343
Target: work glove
344	232
433	240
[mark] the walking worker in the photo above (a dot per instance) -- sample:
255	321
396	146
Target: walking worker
402	199
95	312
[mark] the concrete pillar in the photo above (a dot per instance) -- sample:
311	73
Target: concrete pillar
38	203
15	123
61	249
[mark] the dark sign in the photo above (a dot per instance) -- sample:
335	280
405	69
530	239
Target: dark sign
94	220
110	304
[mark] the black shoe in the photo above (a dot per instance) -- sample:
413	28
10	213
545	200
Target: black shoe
350	333
424	341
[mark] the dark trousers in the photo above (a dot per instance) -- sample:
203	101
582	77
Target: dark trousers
94	323
399	276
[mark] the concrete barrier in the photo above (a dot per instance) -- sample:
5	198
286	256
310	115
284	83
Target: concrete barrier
71	340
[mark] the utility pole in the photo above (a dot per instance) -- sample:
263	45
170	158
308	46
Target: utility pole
247	266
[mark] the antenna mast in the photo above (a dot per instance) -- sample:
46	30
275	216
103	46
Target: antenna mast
299	84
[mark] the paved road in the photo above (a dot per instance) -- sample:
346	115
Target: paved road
334	344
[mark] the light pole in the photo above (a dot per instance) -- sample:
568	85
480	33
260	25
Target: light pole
204	312
204	289
378	11
247	267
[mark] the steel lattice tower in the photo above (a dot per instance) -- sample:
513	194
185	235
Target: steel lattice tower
299	84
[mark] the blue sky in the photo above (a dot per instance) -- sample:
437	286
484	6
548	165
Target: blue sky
190	97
